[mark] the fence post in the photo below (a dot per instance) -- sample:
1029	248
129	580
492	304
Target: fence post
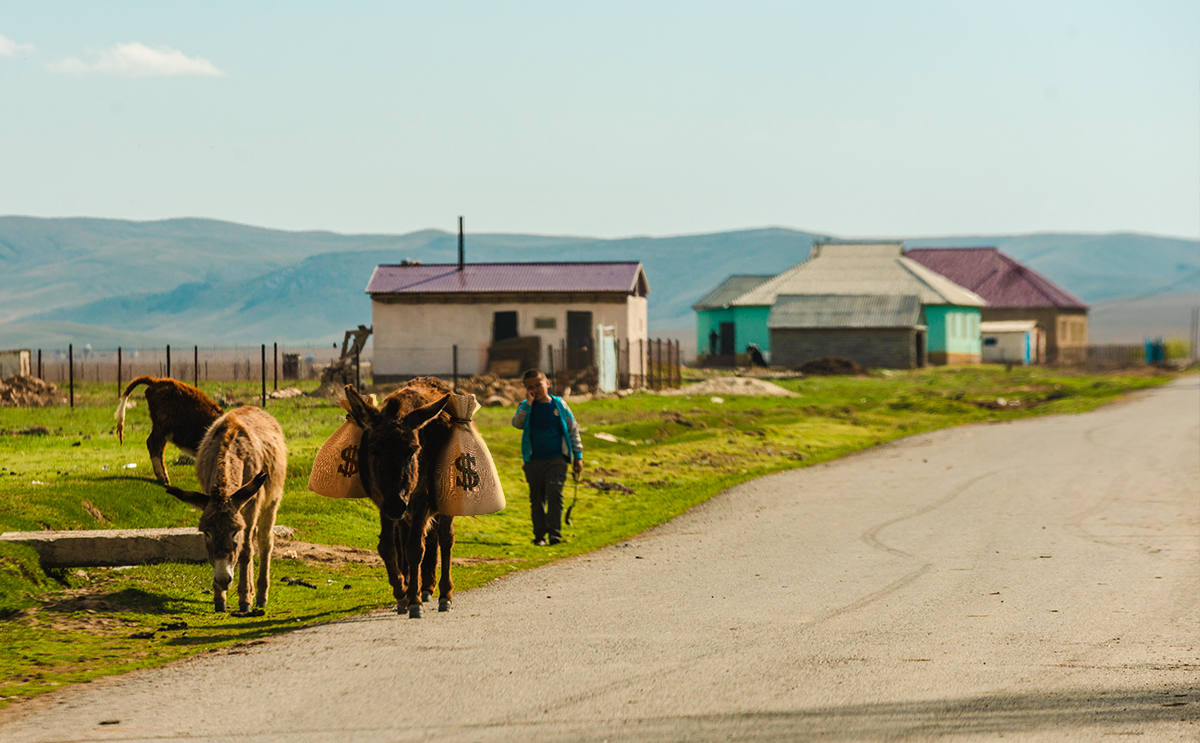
71	366
263	366
566	364
39	363
357	372
678	365
275	364
550	360
168	359
195	366
454	367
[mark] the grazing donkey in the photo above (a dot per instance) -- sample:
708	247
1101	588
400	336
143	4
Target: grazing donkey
397	455
179	413
241	465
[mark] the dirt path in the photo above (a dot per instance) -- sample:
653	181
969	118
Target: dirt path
1036	580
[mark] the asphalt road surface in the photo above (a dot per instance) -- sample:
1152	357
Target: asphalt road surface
1037	581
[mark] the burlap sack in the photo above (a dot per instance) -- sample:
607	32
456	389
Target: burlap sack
467	481
335	470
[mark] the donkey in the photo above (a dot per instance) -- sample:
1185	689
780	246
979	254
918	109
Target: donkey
179	413
397	456
241	465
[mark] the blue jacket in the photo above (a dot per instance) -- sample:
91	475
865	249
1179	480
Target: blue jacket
572	445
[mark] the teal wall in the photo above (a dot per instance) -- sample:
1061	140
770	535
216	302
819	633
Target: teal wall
749	326
953	329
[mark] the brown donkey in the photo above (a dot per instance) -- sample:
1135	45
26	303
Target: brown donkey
241	465
179	413
397	455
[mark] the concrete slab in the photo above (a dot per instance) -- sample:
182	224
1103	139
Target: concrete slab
116	547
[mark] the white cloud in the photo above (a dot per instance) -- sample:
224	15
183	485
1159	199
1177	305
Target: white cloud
9	48
137	60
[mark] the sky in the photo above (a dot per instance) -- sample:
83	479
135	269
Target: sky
851	118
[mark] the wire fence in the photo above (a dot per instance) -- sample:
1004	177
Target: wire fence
192	364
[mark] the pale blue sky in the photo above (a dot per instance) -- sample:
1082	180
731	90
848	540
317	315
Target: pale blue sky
860	119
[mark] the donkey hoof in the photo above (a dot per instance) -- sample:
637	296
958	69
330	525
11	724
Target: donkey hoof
414	611
443	604
426	595
218	604
243	606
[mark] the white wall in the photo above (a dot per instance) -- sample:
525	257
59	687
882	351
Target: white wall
1008	349
418	338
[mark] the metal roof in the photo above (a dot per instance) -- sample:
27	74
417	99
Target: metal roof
445	278
729	290
996	277
861	268
845	311
1007	326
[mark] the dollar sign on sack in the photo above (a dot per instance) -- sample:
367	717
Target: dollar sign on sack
468	478
349	465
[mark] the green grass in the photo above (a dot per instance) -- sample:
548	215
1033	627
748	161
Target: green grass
70	626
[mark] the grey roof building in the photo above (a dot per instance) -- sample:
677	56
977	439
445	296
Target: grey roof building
874	330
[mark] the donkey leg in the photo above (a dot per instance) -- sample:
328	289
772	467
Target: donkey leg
429	566
245	567
445	535
266	546
388	553
156	444
415	544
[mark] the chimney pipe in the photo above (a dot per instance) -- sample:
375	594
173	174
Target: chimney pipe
460	243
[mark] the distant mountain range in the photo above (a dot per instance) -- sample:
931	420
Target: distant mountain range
199	281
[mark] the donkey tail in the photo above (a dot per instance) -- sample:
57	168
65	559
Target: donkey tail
120	414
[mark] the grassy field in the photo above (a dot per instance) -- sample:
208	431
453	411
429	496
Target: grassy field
62	468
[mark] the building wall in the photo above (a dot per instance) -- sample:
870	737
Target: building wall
953	334
1066	330
887	348
1015	347
749	326
414	339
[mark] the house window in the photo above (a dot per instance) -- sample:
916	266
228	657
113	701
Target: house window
989	341
545	323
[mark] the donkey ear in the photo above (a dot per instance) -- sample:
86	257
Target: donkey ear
190	497
363	412
248	491
419	417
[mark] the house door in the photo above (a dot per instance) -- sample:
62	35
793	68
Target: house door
504	325
579	340
920	338
727	339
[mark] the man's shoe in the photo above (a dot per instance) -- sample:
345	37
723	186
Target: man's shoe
539	542
556	540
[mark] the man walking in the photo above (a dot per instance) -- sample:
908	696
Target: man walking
549	441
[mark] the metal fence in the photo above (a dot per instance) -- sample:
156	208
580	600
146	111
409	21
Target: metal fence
194	364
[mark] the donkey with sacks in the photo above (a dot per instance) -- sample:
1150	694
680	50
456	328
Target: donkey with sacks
422	461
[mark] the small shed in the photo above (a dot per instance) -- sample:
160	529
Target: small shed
1012	342
423	314
872	330
718	322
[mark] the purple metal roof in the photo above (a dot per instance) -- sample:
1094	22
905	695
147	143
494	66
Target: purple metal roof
999	279
445	278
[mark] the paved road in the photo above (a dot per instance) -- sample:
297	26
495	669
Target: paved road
1037	580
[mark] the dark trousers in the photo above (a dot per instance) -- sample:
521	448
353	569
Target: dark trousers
546	478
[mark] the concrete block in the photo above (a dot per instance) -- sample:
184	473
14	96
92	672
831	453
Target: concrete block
116	547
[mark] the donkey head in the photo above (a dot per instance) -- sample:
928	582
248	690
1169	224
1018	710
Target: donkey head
390	448
223	526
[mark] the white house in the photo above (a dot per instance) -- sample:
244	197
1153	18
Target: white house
421	312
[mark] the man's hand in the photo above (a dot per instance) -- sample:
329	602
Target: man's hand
577	468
